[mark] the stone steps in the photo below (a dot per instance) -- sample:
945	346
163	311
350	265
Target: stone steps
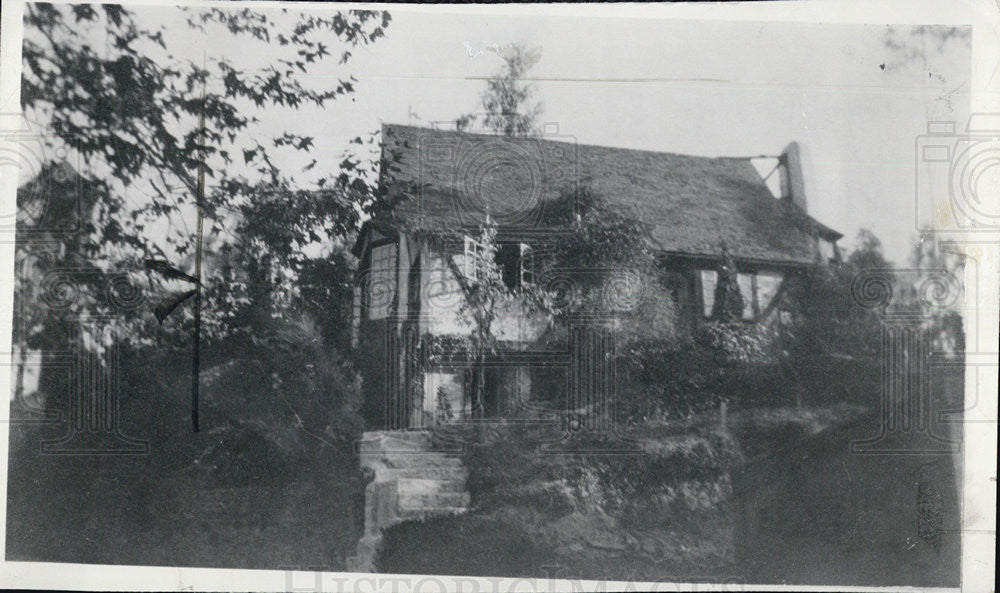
417	501
431	473
376	460
413	481
424	484
421	514
395	441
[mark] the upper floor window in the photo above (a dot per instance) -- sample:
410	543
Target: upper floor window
472	256
516	262
709	278
757	289
381	281
828	251
748	290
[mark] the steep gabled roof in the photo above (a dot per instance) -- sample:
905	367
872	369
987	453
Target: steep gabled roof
446	180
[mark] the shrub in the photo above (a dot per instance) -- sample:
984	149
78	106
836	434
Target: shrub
672	379
282	405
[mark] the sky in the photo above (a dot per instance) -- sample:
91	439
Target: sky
856	106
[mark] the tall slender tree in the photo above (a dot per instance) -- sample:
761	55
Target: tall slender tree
508	102
728	303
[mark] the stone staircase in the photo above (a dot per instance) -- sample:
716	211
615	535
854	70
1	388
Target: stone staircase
412	481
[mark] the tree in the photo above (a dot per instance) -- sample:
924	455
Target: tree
131	112
923	44
606	271
727	306
484	292
166	135
939	269
619	281
832	343
828	322
508	102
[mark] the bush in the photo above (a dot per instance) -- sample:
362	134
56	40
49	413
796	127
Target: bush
279	406
674	379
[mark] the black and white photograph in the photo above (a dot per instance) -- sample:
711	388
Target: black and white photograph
392	297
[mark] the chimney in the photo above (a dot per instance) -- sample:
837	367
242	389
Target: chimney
792	185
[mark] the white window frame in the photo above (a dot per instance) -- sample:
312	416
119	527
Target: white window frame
472	254
707	277
526	264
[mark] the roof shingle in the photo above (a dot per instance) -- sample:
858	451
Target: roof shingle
448	180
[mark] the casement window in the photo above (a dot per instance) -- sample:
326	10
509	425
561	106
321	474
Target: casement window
746	283
381	281
472	256
516	262
766	289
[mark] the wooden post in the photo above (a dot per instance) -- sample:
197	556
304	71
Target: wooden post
196	356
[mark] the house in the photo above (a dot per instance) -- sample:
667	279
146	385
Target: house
55	207
442	185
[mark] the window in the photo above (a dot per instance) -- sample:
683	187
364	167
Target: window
709	278
747	283
472	254
381	281
527	271
828	250
767	288
516	262
757	289
356	316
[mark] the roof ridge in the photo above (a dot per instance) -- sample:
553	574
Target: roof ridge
579	144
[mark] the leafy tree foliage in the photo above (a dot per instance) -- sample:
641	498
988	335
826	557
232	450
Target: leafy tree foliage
119	94
600	244
828	320
508	104
940	272
484	294
831	343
